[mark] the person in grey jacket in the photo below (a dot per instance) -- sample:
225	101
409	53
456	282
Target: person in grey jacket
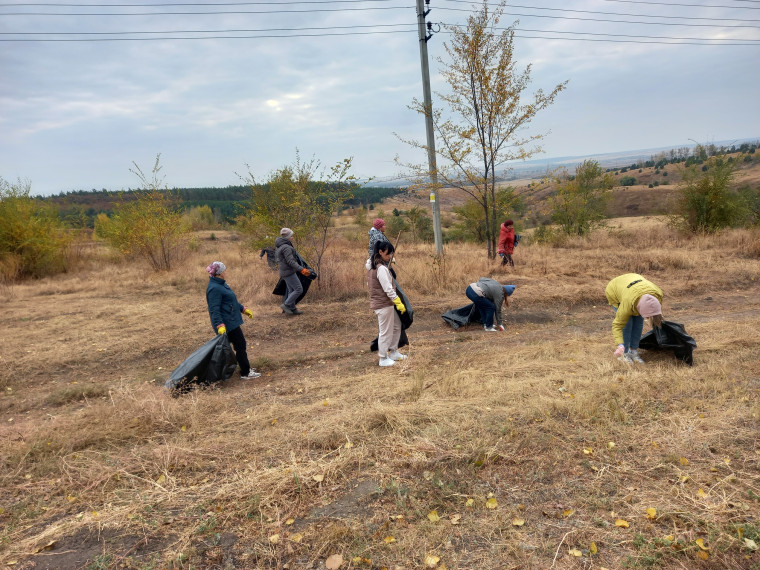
488	296
376	234
287	262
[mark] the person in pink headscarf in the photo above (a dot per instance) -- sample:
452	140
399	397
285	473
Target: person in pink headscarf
376	234
633	299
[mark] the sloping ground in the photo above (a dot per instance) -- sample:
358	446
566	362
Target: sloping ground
532	448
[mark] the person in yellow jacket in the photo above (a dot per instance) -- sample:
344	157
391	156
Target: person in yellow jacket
633	299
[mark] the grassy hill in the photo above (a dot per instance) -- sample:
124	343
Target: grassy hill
530	448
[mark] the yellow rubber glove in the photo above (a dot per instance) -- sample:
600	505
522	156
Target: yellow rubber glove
221	329
248	312
399	305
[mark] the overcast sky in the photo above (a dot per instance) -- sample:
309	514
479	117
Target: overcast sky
74	115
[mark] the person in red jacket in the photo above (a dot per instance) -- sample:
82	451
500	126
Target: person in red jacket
507	243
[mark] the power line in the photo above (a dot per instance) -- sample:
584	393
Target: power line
323	28
685	5
610	38
610	14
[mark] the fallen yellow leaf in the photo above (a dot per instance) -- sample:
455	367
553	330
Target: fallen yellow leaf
491	503
610	445
470	502
319	477
433	516
389	539
750	544
518	522
701	543
588	451
289	521
183	428
593	549
622	523
651	513
703	555
455	519
297	537
274	539
161	479
701	493
684	461
71	498
431	561
575	552
568	512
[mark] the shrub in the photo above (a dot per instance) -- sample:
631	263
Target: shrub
627	181
149	226
705	202
33	240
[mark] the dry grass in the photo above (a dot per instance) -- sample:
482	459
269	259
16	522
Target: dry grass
333	455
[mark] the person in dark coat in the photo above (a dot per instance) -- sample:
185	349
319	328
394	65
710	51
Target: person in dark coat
226	315
507	243
287	262
269	252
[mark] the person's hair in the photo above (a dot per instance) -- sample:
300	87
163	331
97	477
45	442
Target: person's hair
384	246
656	321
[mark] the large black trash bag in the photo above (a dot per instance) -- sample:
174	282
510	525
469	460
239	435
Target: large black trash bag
462	316
281	288
407	318
672	336
212	362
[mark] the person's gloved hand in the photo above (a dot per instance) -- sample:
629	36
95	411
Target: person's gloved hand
399	305
221	329
248	312
619	350
305	272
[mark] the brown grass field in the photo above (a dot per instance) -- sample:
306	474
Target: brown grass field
531	448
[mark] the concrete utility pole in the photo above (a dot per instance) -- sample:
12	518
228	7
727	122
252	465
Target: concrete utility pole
428	102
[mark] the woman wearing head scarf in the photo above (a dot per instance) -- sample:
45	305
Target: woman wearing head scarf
226	315
633	299
488	296
507	243
287	262
376	234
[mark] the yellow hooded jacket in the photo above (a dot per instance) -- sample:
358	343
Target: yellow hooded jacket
623	293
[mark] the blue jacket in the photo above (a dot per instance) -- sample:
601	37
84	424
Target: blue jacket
223	306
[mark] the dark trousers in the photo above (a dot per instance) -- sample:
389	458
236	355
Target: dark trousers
485	306
237	340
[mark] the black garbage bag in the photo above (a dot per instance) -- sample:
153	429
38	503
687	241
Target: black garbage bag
671	336
212	362
281	288
407	318
462	316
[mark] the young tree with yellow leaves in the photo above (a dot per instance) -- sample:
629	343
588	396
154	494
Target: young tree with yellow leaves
486	116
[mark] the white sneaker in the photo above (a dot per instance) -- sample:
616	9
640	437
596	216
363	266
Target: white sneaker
396	355
626	358
251	375
634	354
387	362
490	329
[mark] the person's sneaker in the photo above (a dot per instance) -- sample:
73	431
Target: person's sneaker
626	358
285	309
490	329
396	355
251	375
387	362
297	311
634	354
